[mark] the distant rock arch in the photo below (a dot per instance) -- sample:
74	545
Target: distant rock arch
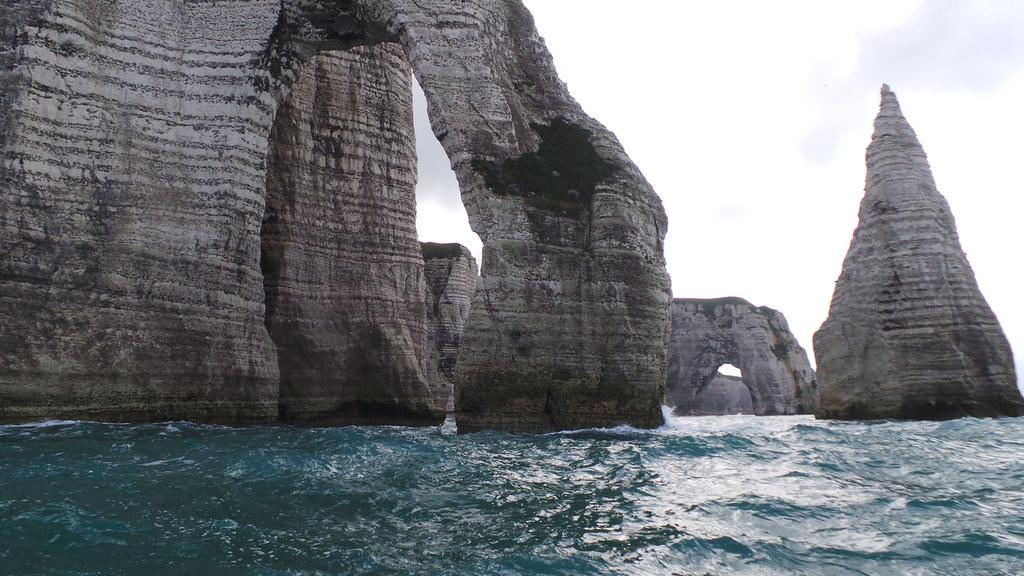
707	334
135	141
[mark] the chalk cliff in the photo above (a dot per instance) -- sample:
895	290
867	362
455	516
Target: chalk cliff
909	334
707	334
133	181
135	144
451	274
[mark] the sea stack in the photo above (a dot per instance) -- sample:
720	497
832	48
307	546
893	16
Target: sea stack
909	335
451	275
777	378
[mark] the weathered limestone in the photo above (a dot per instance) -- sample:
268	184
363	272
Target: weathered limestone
133	166
132	170
909	334
341	263
707	334
451	274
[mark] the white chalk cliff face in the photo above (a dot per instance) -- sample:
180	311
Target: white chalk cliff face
134	140
909	334
707	334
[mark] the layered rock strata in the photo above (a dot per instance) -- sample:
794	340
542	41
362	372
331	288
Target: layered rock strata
451	274
133	178
133	166
707	334
909	334
341	262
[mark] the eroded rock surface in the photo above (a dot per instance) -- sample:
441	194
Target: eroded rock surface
707	334
451	273
909	334
134	151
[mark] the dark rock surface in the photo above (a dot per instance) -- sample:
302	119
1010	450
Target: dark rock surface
451	274
707	334
133	166
909	334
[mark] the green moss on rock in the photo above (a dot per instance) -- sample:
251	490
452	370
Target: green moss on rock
781	350
433	251
561	176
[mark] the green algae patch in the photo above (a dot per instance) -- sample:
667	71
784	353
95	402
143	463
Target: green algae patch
560	176
780	349
434	251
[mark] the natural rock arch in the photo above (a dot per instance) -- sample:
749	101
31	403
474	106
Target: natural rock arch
134	140
708	334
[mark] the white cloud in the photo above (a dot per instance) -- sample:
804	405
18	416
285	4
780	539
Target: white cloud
949	46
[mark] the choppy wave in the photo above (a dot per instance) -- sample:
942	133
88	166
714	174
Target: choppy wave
727	495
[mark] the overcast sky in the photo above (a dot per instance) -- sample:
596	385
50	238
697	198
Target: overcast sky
751	118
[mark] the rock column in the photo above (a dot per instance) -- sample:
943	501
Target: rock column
451	273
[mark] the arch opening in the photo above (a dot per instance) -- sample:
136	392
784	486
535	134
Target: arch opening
451	252
730	370
441	216
724	393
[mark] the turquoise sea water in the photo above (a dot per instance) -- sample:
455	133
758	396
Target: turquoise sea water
732	495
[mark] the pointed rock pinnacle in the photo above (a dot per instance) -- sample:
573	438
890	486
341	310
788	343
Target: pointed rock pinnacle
909	334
